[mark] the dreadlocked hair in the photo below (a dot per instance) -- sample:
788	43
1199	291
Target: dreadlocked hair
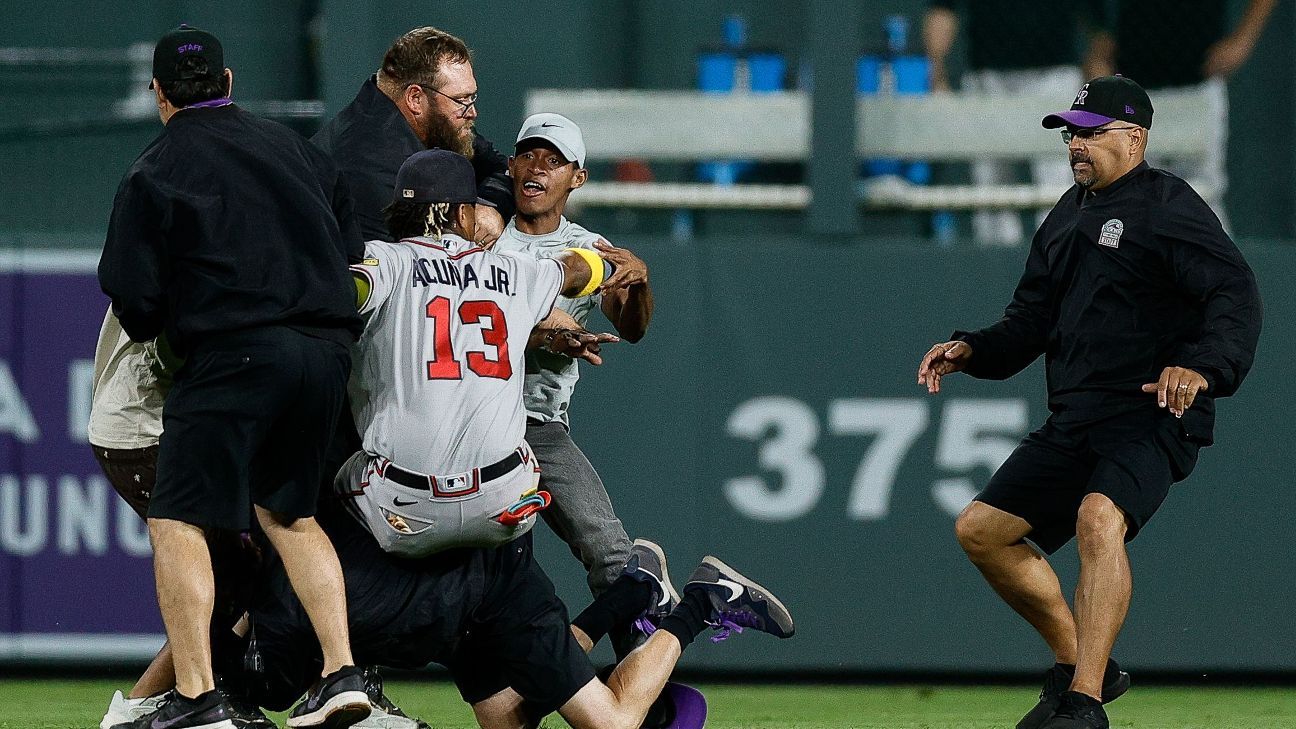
407	219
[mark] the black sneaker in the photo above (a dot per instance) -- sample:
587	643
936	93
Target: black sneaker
1058	680
208	711
247	715
336	701
1078	711
386	714
738	603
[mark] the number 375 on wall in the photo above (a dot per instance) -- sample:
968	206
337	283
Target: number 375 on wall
970	434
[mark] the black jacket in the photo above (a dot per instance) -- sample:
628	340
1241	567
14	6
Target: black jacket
1120	284
369	140
227	222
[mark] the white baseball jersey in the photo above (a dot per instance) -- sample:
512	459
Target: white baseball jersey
437	382
126	406
551	378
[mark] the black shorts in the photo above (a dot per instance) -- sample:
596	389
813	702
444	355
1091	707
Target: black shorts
491	616
132	473
248	421
1131	458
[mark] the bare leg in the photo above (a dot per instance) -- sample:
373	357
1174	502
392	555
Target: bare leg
502	711
631	689
158	677
316	577
1022	576
186	594
582	639
1103	591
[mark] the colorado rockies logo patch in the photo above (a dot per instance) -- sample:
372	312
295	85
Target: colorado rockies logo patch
1111	233
1080	97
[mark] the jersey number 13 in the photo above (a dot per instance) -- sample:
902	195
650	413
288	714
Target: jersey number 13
443	365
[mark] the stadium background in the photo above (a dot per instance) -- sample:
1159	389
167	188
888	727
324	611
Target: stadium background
769	417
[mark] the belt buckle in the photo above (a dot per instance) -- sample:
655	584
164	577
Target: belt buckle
458	485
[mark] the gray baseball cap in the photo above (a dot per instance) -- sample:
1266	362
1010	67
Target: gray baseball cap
557	130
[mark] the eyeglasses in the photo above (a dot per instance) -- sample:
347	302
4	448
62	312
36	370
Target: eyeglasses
464	104
1085	135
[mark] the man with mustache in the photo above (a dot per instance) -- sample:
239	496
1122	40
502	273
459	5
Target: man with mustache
1146	313
423	97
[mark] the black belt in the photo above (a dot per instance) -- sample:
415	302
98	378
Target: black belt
424	483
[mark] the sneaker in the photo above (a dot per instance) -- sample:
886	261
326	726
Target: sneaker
209	711
122	710
647	563
247	715
1058	680
336	701
1078	711
384	713
738	603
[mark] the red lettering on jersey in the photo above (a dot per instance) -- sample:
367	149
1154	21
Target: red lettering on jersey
443	365
496	335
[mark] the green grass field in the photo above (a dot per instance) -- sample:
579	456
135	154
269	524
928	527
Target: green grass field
62	704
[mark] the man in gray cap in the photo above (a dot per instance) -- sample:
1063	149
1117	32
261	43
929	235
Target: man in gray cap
1146	313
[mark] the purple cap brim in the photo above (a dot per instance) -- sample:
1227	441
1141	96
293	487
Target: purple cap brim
690	706
1075	118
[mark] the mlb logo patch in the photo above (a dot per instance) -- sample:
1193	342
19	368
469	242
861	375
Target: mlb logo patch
1111	233
462	484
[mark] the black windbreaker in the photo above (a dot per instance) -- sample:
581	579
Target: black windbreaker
1120	284
227	222
369	140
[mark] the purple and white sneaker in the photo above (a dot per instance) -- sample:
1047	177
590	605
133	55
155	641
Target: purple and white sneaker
647	563
738	603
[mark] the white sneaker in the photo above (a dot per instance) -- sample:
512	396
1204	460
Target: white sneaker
122	710
379	719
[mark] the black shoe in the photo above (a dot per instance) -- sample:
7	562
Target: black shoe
1058	680
336	701
1078	711
208	711
386	714
247	715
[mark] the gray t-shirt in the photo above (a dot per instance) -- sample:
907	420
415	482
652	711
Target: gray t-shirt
551	378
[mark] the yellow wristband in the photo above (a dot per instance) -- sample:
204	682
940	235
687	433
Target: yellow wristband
598	270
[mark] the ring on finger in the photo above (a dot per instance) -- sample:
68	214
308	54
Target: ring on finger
1183	387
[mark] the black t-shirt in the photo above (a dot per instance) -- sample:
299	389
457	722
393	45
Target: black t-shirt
1021	34
1120	284
1163	43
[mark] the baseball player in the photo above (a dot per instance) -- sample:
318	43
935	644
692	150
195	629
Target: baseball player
433	569
549	163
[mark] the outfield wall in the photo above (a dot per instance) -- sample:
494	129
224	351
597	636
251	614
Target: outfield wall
769	417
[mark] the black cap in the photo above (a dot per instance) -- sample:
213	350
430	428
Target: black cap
436	176
186	42
1103	100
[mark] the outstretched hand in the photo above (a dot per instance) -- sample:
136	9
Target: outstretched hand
579	344
941	360
1177	388
630	269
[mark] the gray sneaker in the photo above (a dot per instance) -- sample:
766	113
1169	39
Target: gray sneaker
738	603
647	563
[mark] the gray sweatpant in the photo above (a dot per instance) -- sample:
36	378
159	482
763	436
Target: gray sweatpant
581	513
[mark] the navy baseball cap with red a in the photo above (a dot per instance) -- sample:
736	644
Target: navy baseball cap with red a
186	42
1103	100
437	176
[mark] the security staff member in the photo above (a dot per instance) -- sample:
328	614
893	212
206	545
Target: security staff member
231	236
423	97
1146	313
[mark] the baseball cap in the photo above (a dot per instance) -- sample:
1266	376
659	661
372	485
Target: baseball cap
1102	100
559	131
185	42
437	176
